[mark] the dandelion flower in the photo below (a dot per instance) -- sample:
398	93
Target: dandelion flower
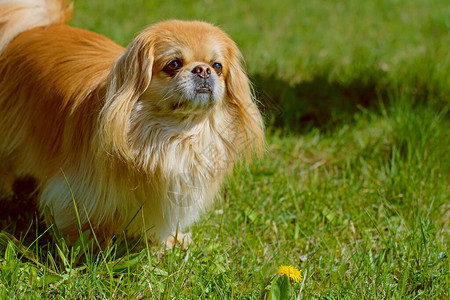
291	272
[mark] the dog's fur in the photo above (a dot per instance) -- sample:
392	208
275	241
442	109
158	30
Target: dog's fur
107	130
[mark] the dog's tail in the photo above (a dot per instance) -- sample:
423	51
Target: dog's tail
17	16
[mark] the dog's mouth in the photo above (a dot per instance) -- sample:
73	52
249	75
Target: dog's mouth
201	93
191	95
198	97
203	89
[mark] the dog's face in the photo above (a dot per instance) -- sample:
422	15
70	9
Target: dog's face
188	72
190	62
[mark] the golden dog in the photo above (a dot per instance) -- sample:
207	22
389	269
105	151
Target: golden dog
134	139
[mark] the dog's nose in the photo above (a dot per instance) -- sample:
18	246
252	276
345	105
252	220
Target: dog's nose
203	71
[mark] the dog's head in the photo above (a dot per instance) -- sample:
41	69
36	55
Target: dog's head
190	64
177	69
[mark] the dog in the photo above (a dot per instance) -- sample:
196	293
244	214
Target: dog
136	139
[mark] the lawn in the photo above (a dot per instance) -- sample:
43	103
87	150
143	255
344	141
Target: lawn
354	188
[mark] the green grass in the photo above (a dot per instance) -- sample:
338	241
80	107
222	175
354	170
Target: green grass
354	187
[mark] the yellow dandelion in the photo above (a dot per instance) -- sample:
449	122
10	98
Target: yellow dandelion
291	272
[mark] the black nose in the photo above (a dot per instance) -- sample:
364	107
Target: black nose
203	71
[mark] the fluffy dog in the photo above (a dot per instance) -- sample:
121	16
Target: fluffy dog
133	139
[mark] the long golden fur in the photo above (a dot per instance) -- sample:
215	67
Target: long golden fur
136	147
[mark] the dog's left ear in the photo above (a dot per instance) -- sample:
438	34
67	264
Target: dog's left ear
127	81
250	136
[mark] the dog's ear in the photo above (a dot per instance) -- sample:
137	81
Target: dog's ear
250	137
127	81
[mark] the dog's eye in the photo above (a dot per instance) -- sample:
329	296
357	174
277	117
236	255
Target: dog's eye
217	67
173	66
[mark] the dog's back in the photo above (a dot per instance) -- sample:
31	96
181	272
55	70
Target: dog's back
17	16
44	65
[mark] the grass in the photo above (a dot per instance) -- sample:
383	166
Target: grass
354	187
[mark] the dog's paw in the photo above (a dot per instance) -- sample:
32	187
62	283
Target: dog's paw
179	239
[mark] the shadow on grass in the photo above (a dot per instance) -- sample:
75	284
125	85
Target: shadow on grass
324	104
18	212
318	103
21	225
